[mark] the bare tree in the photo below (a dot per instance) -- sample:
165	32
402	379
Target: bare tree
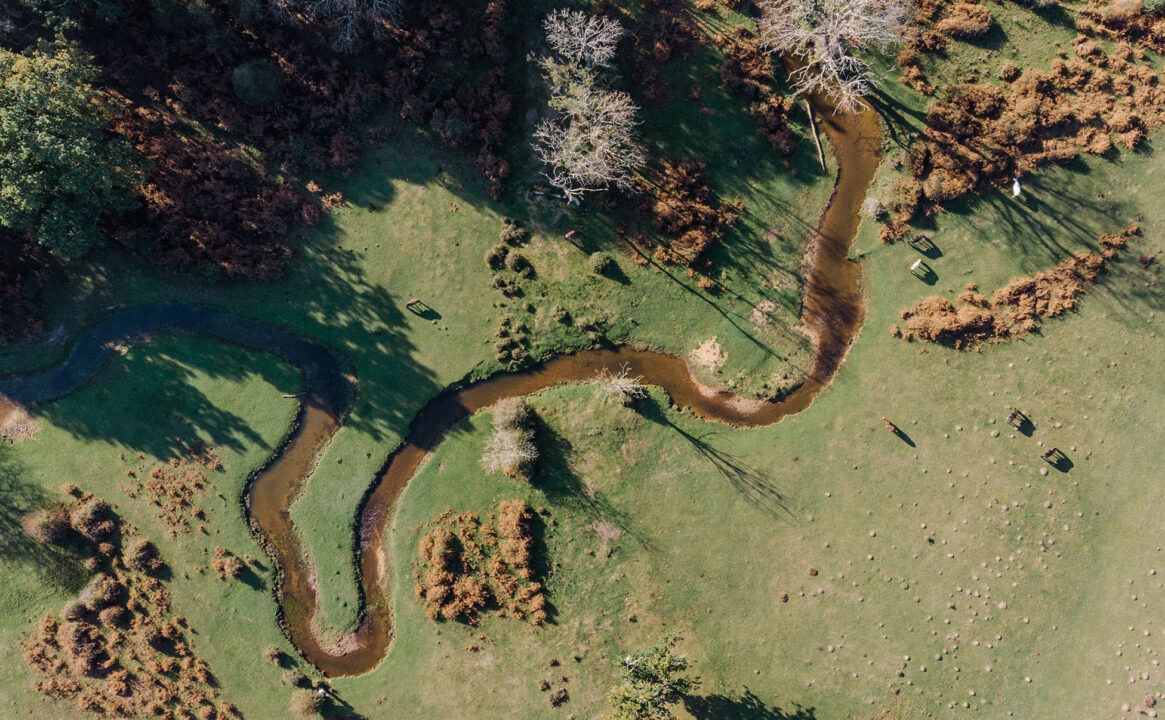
582	38
591	145
823	37
511	449
350	19
620	386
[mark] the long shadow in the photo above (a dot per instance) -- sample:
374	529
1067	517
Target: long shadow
54	564
564	488
747	706
901	435
752	484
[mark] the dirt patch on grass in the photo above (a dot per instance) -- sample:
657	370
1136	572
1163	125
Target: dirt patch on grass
606	532
709	355
16	423
1013	310
762	315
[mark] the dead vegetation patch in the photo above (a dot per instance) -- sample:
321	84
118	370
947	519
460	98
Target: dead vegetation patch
118	649
980	134
691	220
16	423
174	487
1013	310
465	567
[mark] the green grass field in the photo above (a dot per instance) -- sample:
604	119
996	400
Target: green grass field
952	574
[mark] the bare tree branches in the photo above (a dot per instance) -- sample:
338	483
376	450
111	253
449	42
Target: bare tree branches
590	144
582	38
349	19
621	386
822	37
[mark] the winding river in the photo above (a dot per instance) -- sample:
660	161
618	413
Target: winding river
832	312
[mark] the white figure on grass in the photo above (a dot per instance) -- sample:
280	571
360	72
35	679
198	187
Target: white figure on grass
1015	189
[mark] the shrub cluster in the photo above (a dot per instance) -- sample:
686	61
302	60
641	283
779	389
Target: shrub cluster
255	81
748	71
1014	309
465	567
117	650
981	135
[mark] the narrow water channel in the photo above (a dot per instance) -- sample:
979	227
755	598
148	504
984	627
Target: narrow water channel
833	310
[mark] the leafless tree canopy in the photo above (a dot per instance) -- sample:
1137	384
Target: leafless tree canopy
822	38
350	19
581	38
590	143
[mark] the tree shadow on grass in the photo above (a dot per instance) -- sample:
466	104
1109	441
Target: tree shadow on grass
55	565
745	707
562	487
750	483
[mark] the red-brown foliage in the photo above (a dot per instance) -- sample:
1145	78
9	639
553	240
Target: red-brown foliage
965	20
1013	310
206	202
684	210
464	567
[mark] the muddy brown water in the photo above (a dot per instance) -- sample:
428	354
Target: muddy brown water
832	313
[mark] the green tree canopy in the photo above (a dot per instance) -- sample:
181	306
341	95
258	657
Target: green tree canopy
58	169
652	680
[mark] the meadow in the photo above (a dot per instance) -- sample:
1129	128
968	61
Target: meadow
821	567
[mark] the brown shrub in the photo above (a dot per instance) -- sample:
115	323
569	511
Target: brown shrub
965	20
226	565
1016	308
683	209
464	567
83	647
103	591
142	555
114	616
93	519
306	704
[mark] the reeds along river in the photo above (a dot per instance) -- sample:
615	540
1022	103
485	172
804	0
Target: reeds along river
833	311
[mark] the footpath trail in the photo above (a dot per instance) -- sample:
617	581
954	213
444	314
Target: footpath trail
833	312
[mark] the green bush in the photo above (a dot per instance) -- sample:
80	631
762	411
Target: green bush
512	232
602	263
256	83
517	262
496	257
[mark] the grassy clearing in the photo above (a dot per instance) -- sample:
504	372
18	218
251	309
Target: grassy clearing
717	523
